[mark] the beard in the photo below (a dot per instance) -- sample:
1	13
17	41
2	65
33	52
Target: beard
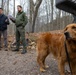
19	10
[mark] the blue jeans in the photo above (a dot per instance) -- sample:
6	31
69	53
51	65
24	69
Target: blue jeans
4	33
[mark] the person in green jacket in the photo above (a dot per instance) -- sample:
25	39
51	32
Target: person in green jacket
20	22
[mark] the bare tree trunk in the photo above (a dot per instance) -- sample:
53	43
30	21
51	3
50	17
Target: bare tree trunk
14	8
2	4
14	16
35	13
47	28
52	9
46	11
31	4
7	7
52	13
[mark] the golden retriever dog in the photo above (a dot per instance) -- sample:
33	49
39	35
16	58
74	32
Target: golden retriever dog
54	43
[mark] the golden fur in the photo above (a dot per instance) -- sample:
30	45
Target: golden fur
54	43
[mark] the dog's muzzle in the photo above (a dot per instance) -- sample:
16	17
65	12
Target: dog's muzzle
67	35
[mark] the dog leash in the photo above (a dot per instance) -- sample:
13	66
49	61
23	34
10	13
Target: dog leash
68	57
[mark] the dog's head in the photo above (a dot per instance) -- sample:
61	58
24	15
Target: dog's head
70	31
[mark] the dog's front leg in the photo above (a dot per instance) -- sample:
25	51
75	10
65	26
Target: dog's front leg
61	65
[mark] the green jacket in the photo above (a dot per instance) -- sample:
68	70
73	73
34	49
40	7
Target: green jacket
21	19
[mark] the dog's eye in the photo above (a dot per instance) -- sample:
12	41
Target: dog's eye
66	29
74	28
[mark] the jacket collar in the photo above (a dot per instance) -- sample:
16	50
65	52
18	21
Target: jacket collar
20	12
1	15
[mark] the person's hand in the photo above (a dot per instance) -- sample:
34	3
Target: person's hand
13	20
10	18
6	20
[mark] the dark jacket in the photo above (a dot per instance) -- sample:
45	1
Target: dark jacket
3	22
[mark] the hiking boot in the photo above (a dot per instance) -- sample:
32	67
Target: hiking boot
23	52
6	49
16	50
0	47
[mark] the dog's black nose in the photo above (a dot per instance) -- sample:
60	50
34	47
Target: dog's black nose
67	35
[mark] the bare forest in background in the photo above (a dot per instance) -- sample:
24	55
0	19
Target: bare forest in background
42	15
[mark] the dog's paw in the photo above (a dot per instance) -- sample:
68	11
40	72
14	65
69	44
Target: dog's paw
42	70
46	66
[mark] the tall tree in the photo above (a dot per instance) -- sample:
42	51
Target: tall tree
31	4
14	8
2	4
52	3
7	7
38	3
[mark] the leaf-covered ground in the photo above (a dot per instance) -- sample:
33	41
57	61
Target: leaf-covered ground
13	63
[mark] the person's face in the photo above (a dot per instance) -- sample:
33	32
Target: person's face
1	11
19	9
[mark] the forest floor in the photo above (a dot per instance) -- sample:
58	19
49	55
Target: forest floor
14	63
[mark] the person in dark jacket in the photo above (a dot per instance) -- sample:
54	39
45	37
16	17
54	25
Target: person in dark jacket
20	22
3	28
